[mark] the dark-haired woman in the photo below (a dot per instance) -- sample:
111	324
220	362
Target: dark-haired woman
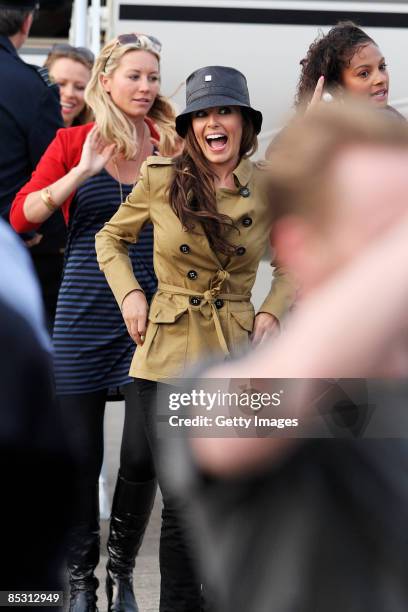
344	61
211	225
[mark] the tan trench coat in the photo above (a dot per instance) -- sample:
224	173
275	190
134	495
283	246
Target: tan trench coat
202	306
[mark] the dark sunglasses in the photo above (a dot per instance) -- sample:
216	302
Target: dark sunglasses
82	52
138	40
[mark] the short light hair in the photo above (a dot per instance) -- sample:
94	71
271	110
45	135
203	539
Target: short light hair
113	124
299	163
11	20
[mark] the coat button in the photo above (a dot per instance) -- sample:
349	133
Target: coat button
240	251
184	248
244	192
219	303
195	301
192	274
246	221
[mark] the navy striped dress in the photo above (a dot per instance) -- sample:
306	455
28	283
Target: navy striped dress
92	348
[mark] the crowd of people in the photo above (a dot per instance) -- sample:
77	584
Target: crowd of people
146	229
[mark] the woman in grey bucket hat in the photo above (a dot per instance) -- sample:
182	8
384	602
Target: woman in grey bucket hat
216	86
211	218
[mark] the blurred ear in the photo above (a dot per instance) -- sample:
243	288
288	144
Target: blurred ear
298	249
27	23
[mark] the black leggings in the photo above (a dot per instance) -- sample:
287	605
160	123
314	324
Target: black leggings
180	589
83	416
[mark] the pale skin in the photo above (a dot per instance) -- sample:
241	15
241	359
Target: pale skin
225	121
133	86
360	245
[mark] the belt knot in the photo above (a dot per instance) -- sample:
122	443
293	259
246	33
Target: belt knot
216	284
211	294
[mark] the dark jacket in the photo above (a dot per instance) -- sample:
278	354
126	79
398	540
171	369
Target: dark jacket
29	117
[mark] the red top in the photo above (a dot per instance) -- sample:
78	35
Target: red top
63	154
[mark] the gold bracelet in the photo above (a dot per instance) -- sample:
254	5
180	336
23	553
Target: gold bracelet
46	197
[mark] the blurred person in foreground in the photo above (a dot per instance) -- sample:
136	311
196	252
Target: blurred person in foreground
36	468
318	525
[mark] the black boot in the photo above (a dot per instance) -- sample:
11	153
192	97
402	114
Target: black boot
83	552
131	508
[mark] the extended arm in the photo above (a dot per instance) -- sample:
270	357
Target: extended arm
95	155
112	244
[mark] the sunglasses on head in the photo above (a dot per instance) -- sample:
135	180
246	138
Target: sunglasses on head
142	41
82	52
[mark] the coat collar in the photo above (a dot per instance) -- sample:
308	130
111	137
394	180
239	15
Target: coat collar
6	43
243	172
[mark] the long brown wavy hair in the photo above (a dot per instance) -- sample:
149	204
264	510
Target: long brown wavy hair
192	190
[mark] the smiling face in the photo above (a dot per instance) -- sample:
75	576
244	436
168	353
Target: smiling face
367	75
72	78
218	132
135	83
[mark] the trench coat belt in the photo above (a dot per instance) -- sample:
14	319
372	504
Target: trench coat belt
208	297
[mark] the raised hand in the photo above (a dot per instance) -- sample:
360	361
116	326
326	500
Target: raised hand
95	153
317	95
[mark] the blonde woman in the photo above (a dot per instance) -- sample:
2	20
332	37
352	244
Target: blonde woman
87	172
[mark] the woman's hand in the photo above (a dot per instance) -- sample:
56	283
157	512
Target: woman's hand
134	311
265	326
95	153
317	95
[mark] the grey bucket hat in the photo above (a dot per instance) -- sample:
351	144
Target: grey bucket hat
215	86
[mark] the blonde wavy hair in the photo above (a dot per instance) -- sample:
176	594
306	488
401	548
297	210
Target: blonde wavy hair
112	122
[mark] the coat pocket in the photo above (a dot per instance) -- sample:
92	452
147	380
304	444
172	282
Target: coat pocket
165	313
242	323
165	346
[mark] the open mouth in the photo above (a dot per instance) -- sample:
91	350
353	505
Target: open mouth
381	94
67	107
217	142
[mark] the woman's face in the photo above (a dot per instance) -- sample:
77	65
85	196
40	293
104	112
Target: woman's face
134	84
72	78
218	131
367	75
